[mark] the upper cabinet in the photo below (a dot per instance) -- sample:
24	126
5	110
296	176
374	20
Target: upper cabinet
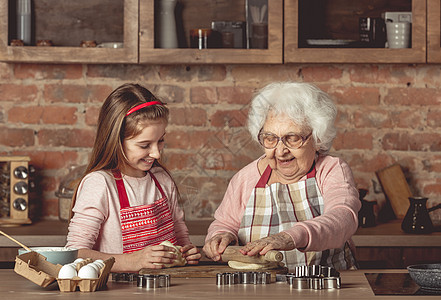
234	20
63	29
328	31
219	32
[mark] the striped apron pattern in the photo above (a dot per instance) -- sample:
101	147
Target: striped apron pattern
144	225
277	207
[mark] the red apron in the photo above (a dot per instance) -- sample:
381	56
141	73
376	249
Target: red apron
144	225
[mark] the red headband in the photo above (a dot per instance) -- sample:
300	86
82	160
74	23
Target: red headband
138	107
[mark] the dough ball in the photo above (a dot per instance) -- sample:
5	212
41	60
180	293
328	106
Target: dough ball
238	265
179	261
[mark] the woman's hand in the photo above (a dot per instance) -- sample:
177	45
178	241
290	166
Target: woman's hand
191	253
279	241
151	257
214	247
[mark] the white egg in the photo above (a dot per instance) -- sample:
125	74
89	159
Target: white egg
78	260
87	272
95	266
99	263
67	272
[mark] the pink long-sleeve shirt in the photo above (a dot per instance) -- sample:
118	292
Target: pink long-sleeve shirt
330	230
96	222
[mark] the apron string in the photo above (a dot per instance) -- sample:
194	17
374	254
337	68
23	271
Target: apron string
123	199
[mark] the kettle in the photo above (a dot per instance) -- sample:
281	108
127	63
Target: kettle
417	219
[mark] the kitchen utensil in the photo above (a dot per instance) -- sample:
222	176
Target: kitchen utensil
366	217
427	276
417	219
15	241
395	188
233	253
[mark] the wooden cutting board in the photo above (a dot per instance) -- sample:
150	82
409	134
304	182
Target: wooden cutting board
395	188
203	271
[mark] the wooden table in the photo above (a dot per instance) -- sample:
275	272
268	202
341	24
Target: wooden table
354	286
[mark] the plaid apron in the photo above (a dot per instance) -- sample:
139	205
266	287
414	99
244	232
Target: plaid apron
144	225
277	207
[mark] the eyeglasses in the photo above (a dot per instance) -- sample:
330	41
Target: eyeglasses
292	141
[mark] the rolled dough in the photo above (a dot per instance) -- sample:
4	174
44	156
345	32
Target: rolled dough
238	265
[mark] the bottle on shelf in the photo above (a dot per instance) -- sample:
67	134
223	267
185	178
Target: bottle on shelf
24	21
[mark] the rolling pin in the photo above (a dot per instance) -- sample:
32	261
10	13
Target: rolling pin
233	253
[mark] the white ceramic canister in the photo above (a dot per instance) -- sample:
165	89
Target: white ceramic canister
166	34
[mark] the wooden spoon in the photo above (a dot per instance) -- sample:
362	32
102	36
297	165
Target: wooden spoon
14	240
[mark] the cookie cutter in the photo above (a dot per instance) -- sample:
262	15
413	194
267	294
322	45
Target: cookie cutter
314	277
243	278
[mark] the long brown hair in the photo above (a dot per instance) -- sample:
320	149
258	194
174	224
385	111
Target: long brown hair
114	126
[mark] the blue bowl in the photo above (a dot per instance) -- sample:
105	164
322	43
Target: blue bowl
55	255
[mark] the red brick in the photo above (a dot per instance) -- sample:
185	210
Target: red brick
177	161
235	94
71	93
353	140
50	207
408	119
188	116
355	95
16	137
371	117
126	73
260	75
92	114
433	189
26	115
193	140
394	74
200	73
321	73
413	142
370	162
205	95
412	96
66	137
5	71
168	93
48	71
59	115
433	118
18	92
53	160
230	118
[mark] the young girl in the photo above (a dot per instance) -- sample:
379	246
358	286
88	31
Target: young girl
127	203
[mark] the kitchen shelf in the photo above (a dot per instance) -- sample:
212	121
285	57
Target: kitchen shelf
294	53
71	54
149	54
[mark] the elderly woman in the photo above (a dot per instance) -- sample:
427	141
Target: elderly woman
296	197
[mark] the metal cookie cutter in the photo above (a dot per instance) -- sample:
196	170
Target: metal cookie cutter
153	281
314	277
243	278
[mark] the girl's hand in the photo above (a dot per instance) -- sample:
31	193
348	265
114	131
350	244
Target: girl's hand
152	257
191	254
215	246
279	241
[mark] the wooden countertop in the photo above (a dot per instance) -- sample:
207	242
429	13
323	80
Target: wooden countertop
53	233
354	286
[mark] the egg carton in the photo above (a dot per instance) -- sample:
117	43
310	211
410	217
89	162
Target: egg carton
87	285
34	267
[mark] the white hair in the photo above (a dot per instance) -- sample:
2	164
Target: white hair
305	104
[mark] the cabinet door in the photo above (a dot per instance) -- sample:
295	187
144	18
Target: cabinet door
74	23
433	31
149	53
350	50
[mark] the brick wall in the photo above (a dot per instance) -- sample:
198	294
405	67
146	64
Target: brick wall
387	114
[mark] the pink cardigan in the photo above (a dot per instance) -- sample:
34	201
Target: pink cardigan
330	230
96	222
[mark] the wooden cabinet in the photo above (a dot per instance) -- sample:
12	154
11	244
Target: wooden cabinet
69	22
433	31
338	19
290	24
194	9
